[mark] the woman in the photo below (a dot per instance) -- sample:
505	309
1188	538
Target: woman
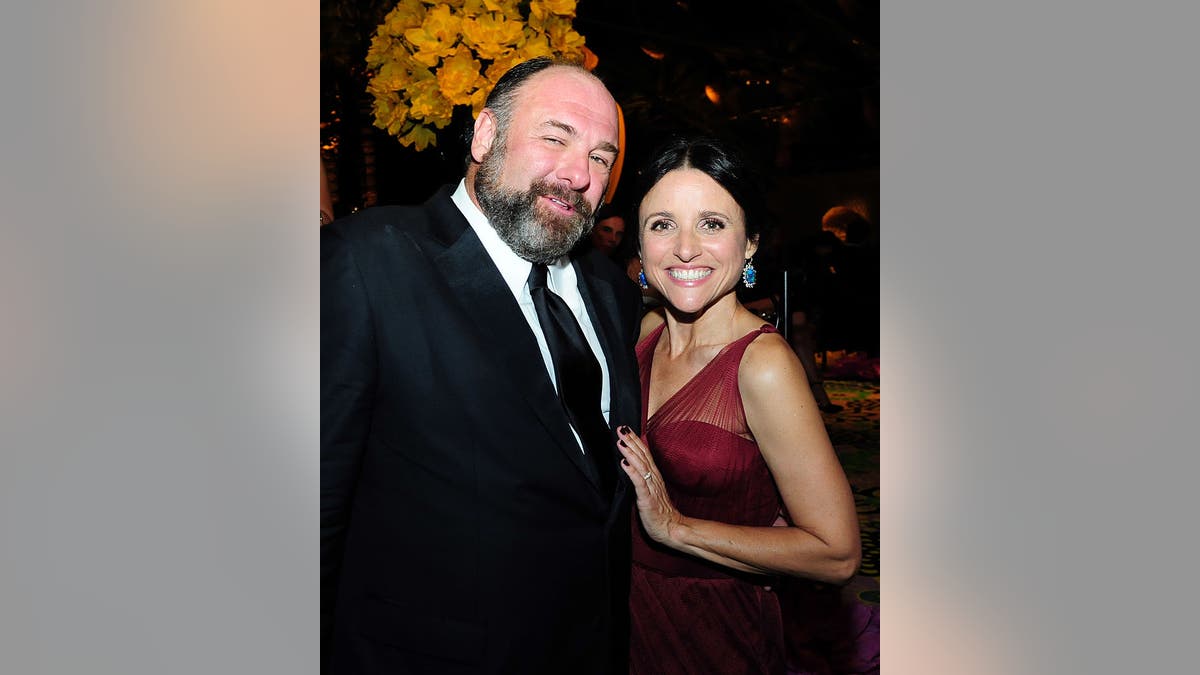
733	438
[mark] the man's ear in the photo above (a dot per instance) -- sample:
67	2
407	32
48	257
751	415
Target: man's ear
484	136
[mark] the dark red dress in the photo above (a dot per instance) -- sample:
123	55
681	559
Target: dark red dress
689	615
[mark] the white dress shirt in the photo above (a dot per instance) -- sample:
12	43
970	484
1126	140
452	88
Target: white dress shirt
560	278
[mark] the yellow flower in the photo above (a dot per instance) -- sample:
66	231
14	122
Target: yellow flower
492	34
390	115
459	77
436	36
396	73
428	103
563	38
428	57
541	8
391	77
380	50
421	136
403	16
501	65
535	45
506	7
479	98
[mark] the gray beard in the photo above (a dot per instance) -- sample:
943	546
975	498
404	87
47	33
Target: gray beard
528	230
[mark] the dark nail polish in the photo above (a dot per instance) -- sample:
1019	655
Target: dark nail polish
622	443
624	461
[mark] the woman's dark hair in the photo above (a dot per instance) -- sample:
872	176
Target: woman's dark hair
720	161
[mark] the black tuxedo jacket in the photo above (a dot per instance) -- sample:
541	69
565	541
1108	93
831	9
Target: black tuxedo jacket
462	529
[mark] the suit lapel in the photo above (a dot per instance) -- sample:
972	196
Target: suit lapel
600	302
599	298
477	286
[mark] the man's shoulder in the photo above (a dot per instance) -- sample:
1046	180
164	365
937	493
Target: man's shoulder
595	264
371	225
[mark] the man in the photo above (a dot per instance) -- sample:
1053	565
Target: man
608	233
471	521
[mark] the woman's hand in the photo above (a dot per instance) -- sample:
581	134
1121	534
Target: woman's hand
658	514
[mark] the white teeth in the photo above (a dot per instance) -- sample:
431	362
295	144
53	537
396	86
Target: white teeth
689	275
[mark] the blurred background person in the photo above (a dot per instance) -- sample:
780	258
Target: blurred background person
609	231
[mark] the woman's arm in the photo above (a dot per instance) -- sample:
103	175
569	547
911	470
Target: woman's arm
822	542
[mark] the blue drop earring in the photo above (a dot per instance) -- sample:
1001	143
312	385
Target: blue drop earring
749	274
642	274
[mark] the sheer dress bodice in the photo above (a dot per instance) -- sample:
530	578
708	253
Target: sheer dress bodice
710	464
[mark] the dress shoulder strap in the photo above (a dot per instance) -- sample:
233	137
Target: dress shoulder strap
712	395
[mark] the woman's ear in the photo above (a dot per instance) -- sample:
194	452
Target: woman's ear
751	246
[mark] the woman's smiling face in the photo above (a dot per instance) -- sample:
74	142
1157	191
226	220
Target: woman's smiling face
693	239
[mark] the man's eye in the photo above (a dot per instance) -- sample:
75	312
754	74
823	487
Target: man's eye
602	161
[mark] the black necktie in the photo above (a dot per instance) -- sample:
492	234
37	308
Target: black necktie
578	375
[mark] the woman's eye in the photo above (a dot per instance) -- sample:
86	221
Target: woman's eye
712	224
659	225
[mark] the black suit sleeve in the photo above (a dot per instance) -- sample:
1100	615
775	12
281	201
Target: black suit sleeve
348	371
631	299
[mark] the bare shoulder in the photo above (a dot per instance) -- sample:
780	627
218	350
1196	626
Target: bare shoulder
779	405
653	319
768	364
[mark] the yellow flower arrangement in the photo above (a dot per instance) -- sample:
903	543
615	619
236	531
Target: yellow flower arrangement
427	57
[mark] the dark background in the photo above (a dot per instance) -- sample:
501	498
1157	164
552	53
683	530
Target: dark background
798	86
